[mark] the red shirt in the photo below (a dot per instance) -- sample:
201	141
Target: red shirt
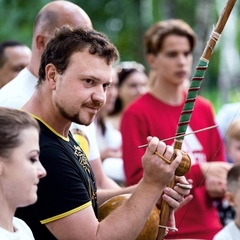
148	116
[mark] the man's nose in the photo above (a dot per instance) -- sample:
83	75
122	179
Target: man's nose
99	96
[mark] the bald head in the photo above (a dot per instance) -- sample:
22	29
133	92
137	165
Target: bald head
58	13
52	16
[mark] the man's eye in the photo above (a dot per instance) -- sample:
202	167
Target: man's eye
106	85
132	85
18	69
186	54
89	81
172	54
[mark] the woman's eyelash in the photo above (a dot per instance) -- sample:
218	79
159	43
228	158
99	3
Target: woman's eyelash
33	159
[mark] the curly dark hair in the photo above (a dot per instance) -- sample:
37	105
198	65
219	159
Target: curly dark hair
68	40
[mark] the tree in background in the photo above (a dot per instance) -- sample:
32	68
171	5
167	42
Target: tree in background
125	22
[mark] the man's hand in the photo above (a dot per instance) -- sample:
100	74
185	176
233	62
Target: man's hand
111	153
216	177
159	173
176	197
215	186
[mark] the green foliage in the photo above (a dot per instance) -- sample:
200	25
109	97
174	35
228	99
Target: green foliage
123	21
16	19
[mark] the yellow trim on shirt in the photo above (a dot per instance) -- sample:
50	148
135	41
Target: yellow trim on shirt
62	215
82	142
59	135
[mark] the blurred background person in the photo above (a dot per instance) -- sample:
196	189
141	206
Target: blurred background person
132	82
232	230
20	170
85	136
169	45
226	115
14	56
53	15
232	142
109	139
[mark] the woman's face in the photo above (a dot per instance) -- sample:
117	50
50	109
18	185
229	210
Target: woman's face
134	85
112	93
21	171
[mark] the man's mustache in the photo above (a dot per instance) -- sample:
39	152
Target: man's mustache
95	104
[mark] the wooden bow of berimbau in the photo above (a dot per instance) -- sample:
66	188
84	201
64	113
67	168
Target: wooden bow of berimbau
190	101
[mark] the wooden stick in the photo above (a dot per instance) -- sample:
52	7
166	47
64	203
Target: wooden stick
183	135
203	63
218	29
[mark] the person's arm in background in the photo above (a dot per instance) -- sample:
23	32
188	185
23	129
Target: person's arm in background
217	166
212	173
103	181
86	138
134	134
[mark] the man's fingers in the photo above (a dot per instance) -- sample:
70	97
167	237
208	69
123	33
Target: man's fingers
185	201
172	223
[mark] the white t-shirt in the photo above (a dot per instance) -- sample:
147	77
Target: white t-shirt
22	231
18	91
113	167
112	137
229	232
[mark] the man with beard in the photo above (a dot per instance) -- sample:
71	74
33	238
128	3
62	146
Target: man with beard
74	75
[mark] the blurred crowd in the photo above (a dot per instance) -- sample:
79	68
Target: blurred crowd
138	103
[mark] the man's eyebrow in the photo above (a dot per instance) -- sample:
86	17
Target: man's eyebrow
87	76
96	79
